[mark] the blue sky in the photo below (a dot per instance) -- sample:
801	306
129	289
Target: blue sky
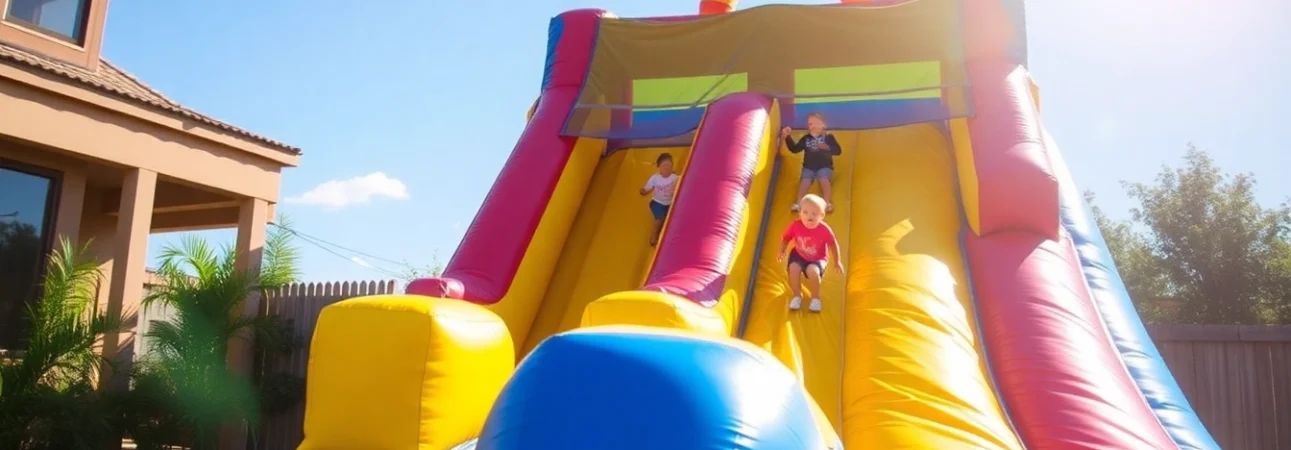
382	91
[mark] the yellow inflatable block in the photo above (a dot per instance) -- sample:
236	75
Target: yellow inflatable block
656	309
403	372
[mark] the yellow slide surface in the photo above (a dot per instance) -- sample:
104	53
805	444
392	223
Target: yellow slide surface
893	358
608	248
818	337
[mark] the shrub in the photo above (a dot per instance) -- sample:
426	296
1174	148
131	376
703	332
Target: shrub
49	400
183	392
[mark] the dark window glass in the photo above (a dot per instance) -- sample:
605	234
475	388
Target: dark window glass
61	18
25	207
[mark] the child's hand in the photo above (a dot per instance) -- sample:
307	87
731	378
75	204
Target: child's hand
779	258
822	146
838	268
784	132
644	191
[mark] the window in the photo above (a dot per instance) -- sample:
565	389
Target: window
875	95
64	19
661	94
25	218
897	81
664	107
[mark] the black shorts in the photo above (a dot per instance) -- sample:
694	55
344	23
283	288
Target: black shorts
795	258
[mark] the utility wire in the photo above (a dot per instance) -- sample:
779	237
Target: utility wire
333	244
368	266
324	245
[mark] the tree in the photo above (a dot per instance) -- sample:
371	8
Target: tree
1144	278
1208	252
411	272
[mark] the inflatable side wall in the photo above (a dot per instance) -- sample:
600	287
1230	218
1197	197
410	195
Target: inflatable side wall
508	253
1124	325
1057	368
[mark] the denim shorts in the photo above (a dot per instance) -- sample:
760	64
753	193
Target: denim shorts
658	210
818	174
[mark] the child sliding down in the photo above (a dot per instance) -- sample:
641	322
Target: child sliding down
813	244
663	185
818	161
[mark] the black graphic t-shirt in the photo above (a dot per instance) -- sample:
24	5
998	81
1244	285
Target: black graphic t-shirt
815	158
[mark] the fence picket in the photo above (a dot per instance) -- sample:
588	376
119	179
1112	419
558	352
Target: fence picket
300	304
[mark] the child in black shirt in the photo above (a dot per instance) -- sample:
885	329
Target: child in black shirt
818	161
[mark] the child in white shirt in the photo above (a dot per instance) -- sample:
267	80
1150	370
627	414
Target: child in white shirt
663	185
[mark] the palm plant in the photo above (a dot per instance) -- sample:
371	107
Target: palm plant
183	385
49	399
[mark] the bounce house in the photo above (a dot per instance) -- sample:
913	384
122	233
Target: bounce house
980	308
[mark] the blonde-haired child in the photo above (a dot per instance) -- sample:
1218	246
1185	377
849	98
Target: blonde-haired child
818	161
814	244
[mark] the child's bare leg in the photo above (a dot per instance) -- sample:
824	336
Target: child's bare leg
803	187
813	280
826	191
658	228
795	280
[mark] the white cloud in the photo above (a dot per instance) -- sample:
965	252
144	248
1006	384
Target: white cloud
337	194
360	261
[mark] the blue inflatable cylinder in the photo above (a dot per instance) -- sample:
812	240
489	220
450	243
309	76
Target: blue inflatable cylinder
629	388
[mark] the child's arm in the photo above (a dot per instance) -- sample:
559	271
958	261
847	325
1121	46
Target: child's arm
835	251
784	242
795	147
834	148
649	186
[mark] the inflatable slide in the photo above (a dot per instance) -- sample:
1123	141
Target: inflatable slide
979	309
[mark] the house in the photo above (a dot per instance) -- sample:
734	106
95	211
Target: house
91	154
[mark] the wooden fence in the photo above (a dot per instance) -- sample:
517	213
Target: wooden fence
299	305
1238	378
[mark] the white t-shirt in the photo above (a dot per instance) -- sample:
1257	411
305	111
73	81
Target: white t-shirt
663	187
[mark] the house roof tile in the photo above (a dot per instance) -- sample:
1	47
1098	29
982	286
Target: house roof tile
112	80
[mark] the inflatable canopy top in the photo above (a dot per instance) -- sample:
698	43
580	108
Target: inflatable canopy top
871	65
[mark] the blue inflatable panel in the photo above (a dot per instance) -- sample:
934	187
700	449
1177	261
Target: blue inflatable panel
554	30
634	389
1138	352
